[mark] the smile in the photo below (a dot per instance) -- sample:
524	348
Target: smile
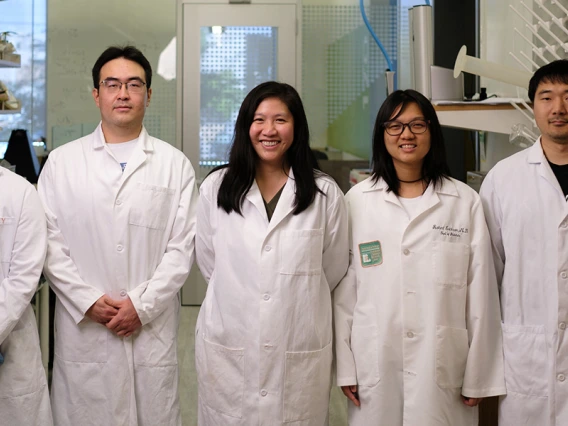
407	146
269	143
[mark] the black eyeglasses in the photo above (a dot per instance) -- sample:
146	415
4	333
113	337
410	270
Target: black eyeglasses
114	86
396	128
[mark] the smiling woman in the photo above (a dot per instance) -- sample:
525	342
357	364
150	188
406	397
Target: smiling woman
425	344
271	243
272	134
408	145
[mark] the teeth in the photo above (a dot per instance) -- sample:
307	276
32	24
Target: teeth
408	146
269	143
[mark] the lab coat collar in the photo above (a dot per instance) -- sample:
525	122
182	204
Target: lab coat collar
1	170
536	156
285	203
448	187
144	140
429	199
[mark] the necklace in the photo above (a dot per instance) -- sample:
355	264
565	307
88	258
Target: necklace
411	181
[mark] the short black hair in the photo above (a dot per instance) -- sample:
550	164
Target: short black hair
241	169
554	72
434	168
127	52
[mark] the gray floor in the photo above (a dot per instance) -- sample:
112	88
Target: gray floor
188	379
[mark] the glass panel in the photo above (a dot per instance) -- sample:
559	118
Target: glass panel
343	79
233	61
26	23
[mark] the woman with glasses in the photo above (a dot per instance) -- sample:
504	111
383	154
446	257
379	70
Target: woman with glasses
272	244
417	320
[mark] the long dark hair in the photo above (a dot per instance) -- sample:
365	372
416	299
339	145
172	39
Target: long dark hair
241	169
434	168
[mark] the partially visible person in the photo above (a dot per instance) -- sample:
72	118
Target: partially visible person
417	319
272	244
120	208
24	395
525	205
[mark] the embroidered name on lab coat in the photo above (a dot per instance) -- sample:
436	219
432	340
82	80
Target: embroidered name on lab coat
450	231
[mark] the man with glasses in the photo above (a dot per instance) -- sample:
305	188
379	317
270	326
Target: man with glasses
120	208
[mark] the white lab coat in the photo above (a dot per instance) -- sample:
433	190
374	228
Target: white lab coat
422	327
527	216
125	234
24	396
264	332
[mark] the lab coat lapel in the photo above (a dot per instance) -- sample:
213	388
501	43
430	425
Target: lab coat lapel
538	159
255	198
139	155
431	197
381	185
285	203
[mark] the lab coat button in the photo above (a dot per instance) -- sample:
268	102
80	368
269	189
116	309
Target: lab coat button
561	377
267	248
563	224
266	297
406	252
410	334
119	248
123	293
562	326
263	392
563	275
118	201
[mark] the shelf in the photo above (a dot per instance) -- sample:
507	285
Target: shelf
10	61
10	111
488	118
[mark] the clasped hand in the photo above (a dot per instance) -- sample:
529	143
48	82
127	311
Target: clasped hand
119	316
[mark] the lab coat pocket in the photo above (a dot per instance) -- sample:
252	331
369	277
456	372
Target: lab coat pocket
21	372
307	384
151	206
6	221
7	234
452	347
84	342
365	348
220	376
301	252
525	360
450	262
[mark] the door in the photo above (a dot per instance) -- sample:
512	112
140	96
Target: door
227	50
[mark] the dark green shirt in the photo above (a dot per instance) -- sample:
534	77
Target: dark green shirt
271	205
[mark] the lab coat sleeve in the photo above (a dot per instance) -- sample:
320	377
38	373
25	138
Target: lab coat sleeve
76	295
493	217
204	236
484	374
26	263
152	297
344	300
335	259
